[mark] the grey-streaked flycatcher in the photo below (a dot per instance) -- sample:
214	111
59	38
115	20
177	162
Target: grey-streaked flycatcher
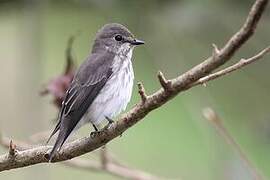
102	86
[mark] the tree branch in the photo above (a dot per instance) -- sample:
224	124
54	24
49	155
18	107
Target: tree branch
107	163
139	111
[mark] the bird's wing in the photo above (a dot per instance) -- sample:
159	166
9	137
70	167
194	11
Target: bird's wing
87	83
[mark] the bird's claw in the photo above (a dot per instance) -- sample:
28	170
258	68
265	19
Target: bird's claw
96	133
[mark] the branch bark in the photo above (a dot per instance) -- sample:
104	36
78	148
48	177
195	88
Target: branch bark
139	111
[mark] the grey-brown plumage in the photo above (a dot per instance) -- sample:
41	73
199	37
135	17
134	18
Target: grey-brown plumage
102	85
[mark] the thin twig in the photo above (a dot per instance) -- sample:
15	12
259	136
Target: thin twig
240	64
212	117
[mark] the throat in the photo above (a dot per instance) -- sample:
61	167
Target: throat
122	61
125	51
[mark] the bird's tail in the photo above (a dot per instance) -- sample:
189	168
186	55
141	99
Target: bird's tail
65	128
62	136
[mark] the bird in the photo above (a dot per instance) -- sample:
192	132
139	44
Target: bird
102	86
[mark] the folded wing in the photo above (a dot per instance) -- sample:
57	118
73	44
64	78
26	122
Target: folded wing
86	85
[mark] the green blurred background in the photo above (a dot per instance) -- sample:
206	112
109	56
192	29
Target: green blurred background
174	141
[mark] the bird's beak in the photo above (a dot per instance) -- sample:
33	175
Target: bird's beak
135	42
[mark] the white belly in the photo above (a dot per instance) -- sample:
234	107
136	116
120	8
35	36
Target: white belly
114	96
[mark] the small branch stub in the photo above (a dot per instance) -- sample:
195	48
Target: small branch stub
12	149
142	92
210	115
215	51
166	84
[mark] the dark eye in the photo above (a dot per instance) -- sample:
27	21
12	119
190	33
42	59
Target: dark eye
118	37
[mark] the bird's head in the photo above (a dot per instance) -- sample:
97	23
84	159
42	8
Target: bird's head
115	38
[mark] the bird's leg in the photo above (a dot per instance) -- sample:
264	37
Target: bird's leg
95	127
110	121
96	132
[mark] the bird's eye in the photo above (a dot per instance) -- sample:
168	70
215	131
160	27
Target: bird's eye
118	37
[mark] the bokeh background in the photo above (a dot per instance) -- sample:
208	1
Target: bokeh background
174	141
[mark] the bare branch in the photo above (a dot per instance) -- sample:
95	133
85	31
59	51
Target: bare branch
242	63
142	92
139	111
106	165
212	117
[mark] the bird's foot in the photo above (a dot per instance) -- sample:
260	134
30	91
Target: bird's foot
97	132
